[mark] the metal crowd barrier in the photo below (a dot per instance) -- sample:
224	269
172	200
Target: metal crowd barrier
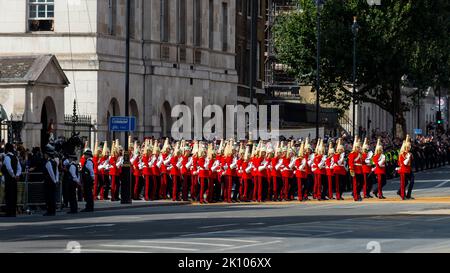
31	192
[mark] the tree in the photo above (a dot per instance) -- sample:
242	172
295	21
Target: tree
401	39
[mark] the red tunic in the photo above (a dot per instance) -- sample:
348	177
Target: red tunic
298	173
329	170
154	168
147	170
113	170
173	162
136	171
378	168
257	162
355	162
308	170
184	161
203	173
95	160
339	169
244	166
287	173
101	161
317	160
163	168
367	169
404	169
82	161
274	172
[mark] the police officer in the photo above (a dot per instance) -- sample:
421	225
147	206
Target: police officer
51	178
87	173
72	178
11	170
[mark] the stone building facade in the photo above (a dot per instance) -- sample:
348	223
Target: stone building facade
179	49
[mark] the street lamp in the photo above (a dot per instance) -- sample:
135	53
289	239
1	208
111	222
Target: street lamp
355	30
319	4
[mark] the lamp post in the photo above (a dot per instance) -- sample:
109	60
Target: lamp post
125	192
253	49
319	3
355	30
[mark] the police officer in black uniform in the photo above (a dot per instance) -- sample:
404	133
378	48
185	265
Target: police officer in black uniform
51	178
11	170
72	178
87	174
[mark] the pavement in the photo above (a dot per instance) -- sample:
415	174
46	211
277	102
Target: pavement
391	225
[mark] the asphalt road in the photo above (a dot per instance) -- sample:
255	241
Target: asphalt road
419	225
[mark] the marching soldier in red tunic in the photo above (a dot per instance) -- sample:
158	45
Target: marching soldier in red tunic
260	164
367	168
174	170
165	161
299	172
246	169
339	170
103	169
203	171
113	171
194	171
404	169
355	165
380	170
186	164
96	161
135	161
144	167
329	169
275	173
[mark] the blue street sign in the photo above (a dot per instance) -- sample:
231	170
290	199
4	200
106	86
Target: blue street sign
122	124
417	131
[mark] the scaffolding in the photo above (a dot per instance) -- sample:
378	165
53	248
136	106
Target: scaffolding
277	82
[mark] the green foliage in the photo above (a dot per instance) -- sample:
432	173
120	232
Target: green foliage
399	38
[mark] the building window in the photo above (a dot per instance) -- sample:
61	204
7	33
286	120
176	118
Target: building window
132	19
197	22
224	26
211	24
239	6
41	15
165	21
182	22
249	8
112	18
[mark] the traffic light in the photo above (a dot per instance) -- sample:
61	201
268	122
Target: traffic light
439	117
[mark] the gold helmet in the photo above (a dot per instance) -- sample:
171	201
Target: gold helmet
105	150
195	148
331	150
366	145
301	149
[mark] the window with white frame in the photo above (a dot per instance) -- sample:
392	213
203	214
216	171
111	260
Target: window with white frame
41	15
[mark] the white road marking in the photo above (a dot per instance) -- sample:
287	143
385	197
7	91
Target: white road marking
91	226
185	243
252	245
256	224
216	226
442	184
333	233
210	232
155	247
285	233
230	240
